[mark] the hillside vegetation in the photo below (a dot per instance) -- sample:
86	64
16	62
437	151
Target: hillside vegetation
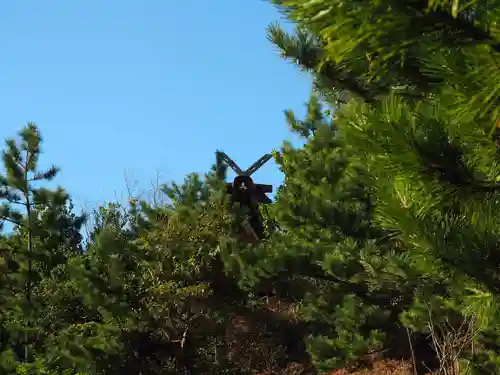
381	252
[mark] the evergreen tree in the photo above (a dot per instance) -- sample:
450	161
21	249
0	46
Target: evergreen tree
157	295
20	160
44	235
328	257
419	113
154	290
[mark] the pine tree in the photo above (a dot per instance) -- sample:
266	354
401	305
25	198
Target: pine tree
17	189
327	256
418	81
194	245
153	291
157	295
388	46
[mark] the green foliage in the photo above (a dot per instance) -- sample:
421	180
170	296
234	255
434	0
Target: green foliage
374	47
45	233
148	292
419	120
348	275
382	240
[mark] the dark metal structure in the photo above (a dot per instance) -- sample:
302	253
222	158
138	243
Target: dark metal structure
247	193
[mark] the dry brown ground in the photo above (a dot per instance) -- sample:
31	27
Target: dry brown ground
383	367
254	347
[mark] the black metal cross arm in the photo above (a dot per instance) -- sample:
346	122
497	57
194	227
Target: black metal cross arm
222	156
259	163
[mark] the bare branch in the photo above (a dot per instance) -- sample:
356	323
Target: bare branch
449	342
412	351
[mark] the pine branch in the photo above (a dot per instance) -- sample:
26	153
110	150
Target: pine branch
47	175
304	52
439	17
12	221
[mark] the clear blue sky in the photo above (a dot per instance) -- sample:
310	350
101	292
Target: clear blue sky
138	86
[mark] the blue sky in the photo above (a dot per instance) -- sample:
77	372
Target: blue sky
139	87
